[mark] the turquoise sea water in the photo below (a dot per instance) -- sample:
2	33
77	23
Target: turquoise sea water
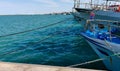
64	46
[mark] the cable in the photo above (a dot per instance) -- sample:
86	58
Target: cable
34	28
93	61
50	36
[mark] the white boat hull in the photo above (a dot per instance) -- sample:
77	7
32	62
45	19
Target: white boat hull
99	14
112	63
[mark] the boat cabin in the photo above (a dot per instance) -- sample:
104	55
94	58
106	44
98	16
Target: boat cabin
115	8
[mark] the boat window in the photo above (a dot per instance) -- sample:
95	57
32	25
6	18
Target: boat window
115	23
118	24
115	9
101	26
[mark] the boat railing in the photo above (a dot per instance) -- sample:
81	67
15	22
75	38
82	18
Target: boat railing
102	20
93	6
115	35
108	23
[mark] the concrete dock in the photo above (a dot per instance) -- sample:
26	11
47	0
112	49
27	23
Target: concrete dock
5	66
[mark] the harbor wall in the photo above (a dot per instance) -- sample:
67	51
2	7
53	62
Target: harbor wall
6	66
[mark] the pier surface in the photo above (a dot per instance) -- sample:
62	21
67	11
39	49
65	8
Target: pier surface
5	66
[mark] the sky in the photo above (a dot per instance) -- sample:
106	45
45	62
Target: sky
34	6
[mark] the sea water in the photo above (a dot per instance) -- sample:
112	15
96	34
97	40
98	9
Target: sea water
56	45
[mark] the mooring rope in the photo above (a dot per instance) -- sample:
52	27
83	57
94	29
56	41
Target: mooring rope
35	28
39	28
50	36
94	61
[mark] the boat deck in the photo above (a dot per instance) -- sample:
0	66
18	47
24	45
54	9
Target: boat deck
103	36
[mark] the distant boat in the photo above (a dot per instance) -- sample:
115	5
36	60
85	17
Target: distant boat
103	42
106	11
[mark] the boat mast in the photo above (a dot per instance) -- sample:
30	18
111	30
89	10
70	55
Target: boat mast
91	3
106	3
76	3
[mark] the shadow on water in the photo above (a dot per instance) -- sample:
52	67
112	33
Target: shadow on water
66	47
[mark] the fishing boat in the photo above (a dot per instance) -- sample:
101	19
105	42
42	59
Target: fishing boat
100	34
108	10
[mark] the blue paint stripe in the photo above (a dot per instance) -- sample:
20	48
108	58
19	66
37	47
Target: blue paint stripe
92	40
95	43
103	52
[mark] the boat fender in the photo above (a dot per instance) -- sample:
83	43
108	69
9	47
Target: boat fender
88	22
118	9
